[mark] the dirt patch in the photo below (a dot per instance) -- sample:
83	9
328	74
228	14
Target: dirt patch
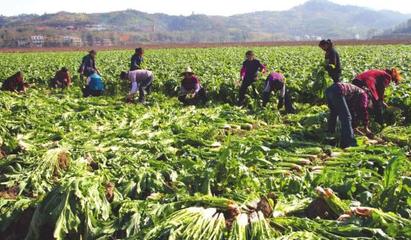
319	208
9	193
110	191
18	229
265	207
230	215
63	161
94	165
2	154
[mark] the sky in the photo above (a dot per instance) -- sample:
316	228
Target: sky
178	7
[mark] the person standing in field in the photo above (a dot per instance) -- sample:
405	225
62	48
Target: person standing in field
137	59
94	85
276	82
349	103
249	74
15	83
88	65
332	60
191	91
61	79
141	80
375	82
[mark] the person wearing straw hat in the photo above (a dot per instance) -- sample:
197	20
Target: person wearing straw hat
191	92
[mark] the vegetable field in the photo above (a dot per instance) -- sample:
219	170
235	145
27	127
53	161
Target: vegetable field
98	168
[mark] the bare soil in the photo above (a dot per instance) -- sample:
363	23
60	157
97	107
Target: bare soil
319	208
9	193
19	228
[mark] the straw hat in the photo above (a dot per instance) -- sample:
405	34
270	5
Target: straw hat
187	70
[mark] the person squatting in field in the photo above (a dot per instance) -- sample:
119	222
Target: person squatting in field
249	74
15	83
141	80
191	91
94	85
88	65
61	79
374	83
332	60
137	59
276	82
349	103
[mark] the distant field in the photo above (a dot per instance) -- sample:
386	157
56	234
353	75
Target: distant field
212	45
98	168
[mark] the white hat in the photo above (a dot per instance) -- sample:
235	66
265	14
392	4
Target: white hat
188	70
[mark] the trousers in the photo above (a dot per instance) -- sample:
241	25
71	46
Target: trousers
339	108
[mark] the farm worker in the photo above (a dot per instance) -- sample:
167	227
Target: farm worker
346	101
137	59
15	83
249	74
61	79
141	80
276	82
191	92
88	64
375	82
332	60
94	86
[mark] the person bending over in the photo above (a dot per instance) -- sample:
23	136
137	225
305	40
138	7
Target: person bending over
276	82
141	81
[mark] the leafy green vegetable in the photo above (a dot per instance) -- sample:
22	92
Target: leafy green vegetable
97	168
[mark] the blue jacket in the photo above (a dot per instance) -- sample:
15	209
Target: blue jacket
95	83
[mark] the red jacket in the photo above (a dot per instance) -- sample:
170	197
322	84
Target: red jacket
376	81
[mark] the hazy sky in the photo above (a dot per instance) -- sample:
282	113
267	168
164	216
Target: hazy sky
178	7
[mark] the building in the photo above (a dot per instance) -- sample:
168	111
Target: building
72	41
95	27
37	41
23	42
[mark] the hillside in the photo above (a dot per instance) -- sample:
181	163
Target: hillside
312	20
322	18
402	31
